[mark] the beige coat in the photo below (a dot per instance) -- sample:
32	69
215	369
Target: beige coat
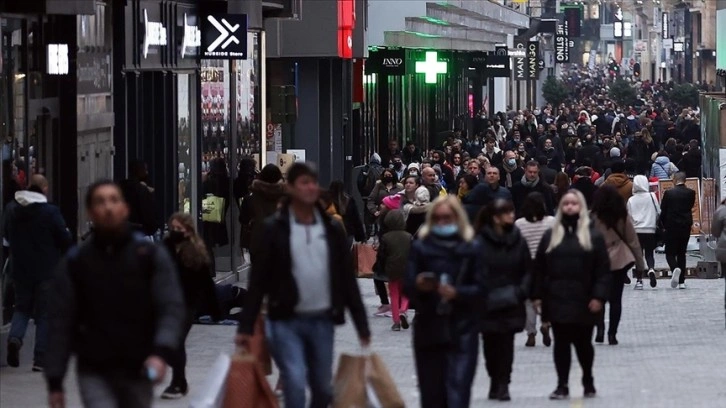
622	253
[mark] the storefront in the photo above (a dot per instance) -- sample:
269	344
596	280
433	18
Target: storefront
56	113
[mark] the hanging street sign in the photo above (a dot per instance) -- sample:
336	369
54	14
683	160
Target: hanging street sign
518	61
532	60
224	36
562	46
431	67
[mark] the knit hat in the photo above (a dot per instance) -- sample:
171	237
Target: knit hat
614	152
422	195
392	202
413	166
376	158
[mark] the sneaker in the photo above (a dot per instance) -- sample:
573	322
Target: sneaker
612	340
404	322
651	276
37	367
382	310
530	341
388	314
682	286
638	285
175	392
546	339
396	327
676	278
14	352
561	393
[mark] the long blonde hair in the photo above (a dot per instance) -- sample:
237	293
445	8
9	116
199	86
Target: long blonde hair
583	225
466	232
192	253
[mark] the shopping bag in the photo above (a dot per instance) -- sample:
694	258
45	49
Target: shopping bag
247	386
364	382
214	387
349	385
364	256
258	346
381	384
213	209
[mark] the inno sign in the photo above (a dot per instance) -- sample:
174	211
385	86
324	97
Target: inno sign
154	34
392	62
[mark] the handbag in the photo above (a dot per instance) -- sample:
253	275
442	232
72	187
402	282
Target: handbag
659	230
213	209
632	251
502	298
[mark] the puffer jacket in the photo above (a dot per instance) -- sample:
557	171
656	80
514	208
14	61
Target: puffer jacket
395	246
718	229
622	183
643	206
569	277
508	264
663	168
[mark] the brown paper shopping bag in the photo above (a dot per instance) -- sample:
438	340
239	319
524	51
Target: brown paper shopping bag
364	256
349	385
247	386
381	383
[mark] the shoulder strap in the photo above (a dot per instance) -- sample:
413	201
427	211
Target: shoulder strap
654	206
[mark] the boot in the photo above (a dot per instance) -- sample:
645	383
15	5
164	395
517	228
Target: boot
560	393
600	336
492	390
530	341
588	383
546	339
502	392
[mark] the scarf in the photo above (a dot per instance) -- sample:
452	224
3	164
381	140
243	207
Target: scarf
529	184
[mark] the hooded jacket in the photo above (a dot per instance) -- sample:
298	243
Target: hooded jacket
37	235
622	183
663	168
643	206
259	205
395	246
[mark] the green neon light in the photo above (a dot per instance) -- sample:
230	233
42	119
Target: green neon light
431	67
435	21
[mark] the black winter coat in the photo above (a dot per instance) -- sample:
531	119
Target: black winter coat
676	205
196	283
508	264
521	191
482	195
433	254
569	277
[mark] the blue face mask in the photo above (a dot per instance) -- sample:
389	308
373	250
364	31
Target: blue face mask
446	230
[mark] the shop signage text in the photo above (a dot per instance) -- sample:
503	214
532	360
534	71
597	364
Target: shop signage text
497	66
58	59
519	61
562	46
192	37
224	36
386	61
532	60
665	29
154	34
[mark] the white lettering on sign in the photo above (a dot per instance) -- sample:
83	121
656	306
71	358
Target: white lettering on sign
154	34
392	62
58	59
192	37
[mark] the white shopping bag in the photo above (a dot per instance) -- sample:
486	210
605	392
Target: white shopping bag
212	392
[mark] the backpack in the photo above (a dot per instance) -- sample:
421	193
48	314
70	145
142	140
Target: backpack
367	179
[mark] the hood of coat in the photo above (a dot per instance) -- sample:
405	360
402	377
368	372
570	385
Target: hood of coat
640	184
26	198
272	191
422	195
618	180
663	160
394	221
508	239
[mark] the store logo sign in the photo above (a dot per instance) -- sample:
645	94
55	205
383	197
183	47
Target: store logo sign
154	34
392	62
224	36
192	37
58	59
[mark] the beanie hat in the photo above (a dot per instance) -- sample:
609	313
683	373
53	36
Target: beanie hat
376	158
614	152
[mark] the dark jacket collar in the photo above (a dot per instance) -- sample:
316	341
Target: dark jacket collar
509	238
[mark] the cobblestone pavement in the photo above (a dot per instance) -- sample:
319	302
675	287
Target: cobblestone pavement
671	354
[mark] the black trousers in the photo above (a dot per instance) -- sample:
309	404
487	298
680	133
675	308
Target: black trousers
499	356
617	283
178	361
675	250
565	336
648	243
381	291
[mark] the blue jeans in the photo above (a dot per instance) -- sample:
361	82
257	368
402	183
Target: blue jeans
31	300
302	348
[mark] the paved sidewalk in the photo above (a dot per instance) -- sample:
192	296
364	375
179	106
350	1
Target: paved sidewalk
671	354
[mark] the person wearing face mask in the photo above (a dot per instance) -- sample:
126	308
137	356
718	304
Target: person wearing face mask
412	171
514	142
532	181
510	171
191	258
447	173
572	280
509	284
398	166
445	279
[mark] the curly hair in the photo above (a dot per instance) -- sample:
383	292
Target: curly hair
192	253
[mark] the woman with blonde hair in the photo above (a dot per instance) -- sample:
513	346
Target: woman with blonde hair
192	261
572	280
445	280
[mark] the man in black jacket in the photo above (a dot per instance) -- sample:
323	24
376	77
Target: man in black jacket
305	271
532	181
677	217
38	235
484	193
117	305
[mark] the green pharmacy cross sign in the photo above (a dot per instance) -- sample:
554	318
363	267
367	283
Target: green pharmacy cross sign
431	67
